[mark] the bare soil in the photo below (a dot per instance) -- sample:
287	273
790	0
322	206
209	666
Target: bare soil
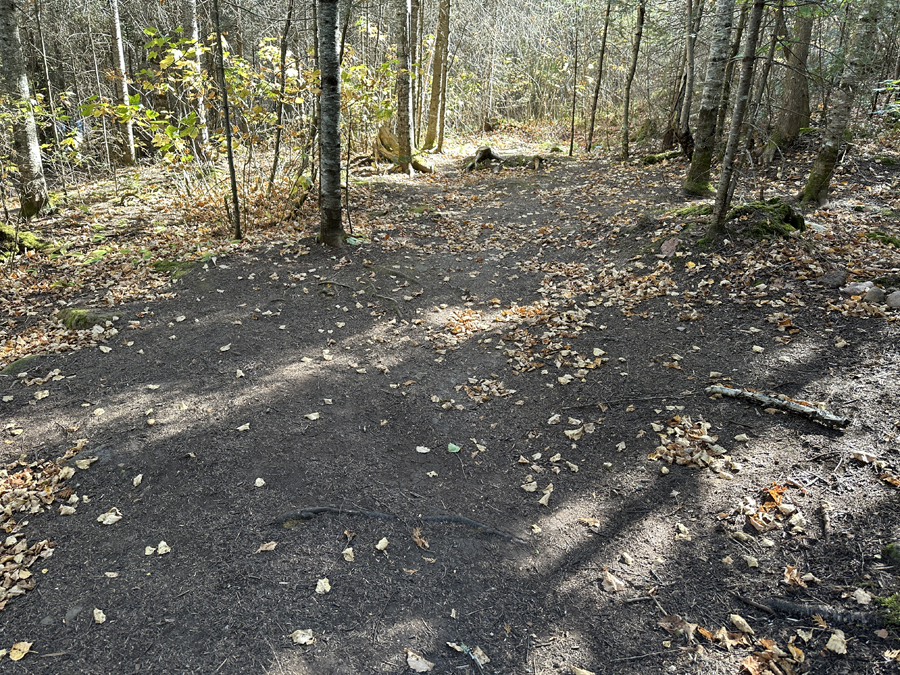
479	307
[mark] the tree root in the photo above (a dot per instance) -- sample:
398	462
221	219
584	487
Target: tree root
311	511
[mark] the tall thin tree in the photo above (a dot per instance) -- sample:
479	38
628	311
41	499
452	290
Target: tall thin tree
33	188
439	60
128	154
226	113
331	229
589	143
697	181
729	161
404	89
859	58
635	53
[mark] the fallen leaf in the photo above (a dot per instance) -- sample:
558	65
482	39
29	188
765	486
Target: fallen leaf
423	449
19	650
323	586
862	597
348	554
383	544
269	546
244	427
99	616
581	671
225	348
259	482
162	548
110	517
611	583
837	643
86	462
741	624
302	637
313	416
137	480
417	663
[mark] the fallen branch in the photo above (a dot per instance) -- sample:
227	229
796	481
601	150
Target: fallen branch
782	402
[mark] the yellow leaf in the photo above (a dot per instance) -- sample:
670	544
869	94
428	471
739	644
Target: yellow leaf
19	650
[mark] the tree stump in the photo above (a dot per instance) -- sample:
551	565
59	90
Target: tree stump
386	147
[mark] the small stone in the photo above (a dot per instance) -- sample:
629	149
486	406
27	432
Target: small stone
857	288
875	295
893	300
834	279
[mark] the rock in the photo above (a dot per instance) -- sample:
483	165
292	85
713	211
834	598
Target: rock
893	300
875	295
857	288
834	279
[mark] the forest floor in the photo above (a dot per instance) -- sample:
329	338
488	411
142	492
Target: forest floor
498	397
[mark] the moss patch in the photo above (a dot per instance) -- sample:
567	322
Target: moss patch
886	160
649	160
26	239
890	609
878	235
696	210
770	219
175	268
75	318
21	366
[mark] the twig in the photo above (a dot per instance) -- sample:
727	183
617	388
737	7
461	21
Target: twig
631	398
642	598
782	402
639	656
761	608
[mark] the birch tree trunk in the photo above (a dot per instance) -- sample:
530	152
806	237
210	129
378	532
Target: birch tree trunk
794	113
589	144
690	39
33	188
729	161
635	52
697	181
404	90
192	28
128	156
441	49
331	230
729	71
859	58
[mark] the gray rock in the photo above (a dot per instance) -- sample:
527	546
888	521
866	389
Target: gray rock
875	295
834	279
857	288
893	300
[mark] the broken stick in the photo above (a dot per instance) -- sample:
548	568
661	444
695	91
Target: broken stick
782	402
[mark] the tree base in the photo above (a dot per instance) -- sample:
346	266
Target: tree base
387	147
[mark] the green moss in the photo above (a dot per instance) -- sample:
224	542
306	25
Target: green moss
697	188
649	160
76	318
891	552
20	366
886	160
890	609
769	219
884	237
27	240
696	210
175	268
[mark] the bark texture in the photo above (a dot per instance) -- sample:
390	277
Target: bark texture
404	88
635	52
726	175
331	230
794	113
697	181
859	58
589	144
33	188
128	156
192	28
441	49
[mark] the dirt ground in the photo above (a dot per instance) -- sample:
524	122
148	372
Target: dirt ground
494	335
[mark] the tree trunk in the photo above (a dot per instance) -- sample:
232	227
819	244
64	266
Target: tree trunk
441	49
779	31
331	230
692	24
404	91
794	112
121	79
589	144
859	57
729	161
33	188
729	71
235	212
635	52
201	143
279	106
697	181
